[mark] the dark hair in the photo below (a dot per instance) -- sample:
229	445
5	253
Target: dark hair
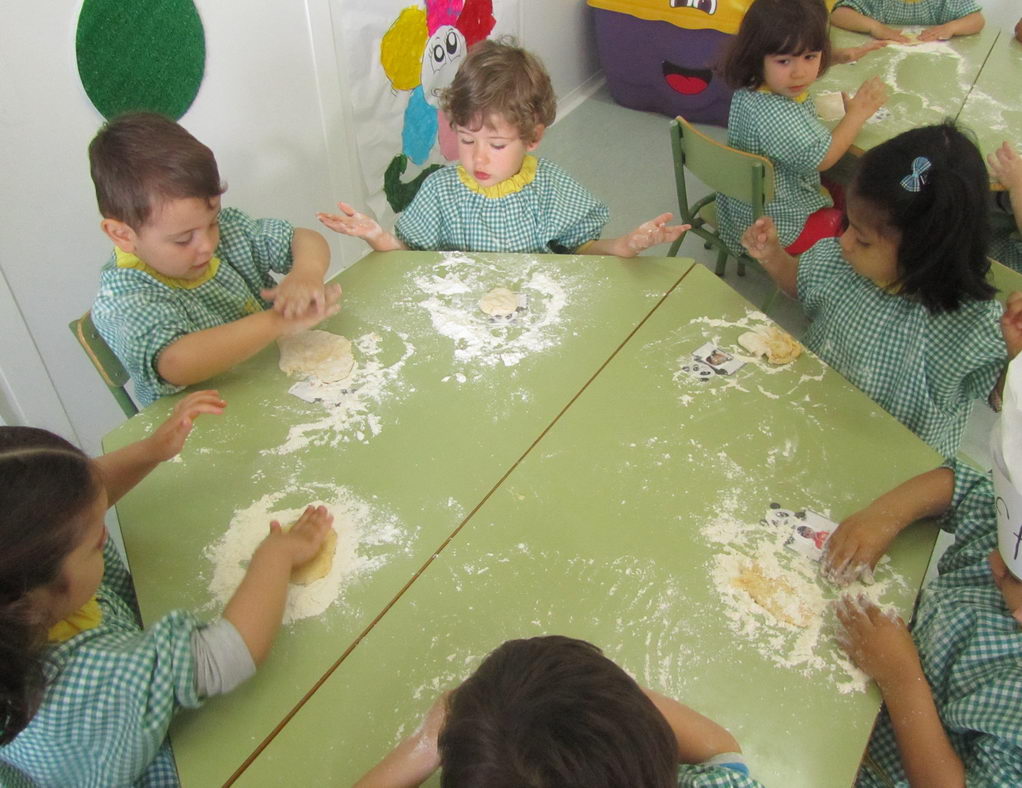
943	227
499	78
140	159
553	712
46	484
775	27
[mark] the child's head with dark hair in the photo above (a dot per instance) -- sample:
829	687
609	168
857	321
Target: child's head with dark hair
553	712
140	160
921	199
48	493
500	79
776	27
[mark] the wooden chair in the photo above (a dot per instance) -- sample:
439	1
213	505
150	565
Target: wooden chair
735	173
103	359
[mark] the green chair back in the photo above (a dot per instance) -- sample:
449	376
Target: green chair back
744	176
1006	280
108	366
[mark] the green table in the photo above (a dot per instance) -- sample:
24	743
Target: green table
445	422
609	531
925	84
993	110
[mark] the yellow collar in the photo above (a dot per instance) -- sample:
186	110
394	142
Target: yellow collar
86	617
515	183
797	99
127	260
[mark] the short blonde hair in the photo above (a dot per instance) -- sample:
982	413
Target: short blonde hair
500	78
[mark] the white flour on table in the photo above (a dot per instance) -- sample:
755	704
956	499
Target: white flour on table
453	289
347	407
366	539
799	595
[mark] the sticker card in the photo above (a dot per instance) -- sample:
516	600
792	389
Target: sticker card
809	530
720	361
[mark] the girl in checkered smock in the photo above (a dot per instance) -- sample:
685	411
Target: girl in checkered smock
500	198
900	304
952	687
87	695
781	48
943	19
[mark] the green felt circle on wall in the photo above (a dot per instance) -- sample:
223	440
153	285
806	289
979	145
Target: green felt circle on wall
140	55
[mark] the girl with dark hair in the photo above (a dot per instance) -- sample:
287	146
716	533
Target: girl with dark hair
900	304
86	696
782	47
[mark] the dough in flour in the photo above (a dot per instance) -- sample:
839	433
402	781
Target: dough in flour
773	594
778	346
830	106
499	302
319	565
318	354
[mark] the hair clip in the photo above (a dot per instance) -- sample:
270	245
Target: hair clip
916	179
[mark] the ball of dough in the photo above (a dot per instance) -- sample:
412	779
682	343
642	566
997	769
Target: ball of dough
319	565
778	346
499	302
318	354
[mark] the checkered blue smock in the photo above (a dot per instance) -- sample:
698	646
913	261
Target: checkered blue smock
541	210
716	774
139	313
912	12
924	369
971	652
113	690
788	133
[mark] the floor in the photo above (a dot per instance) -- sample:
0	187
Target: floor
624	157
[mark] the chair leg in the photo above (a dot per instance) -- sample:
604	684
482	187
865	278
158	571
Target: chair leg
741	267
721	261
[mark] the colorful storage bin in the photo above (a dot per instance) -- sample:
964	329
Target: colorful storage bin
659	55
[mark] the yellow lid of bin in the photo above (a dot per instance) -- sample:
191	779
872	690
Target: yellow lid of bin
723	15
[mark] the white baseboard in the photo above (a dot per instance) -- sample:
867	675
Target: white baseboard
566	104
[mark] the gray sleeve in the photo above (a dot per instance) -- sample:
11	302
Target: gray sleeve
222	660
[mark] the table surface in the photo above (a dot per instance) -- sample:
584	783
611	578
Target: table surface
436	425
993	110
925	83
624	526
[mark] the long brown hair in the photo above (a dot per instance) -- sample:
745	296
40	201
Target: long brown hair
46	485
775	27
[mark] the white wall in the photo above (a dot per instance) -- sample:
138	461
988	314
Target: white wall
271	107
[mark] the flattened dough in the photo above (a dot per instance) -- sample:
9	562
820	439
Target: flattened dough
778	346
830	106
499	302
774	594
318	354
319	566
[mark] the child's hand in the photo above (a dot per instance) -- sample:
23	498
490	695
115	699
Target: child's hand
870	96
169	438
853	550
760	239
303	541
653	233
1006	165
297	294
851	54
352	223
1011	324
878	642
313	317
885	33
937	33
